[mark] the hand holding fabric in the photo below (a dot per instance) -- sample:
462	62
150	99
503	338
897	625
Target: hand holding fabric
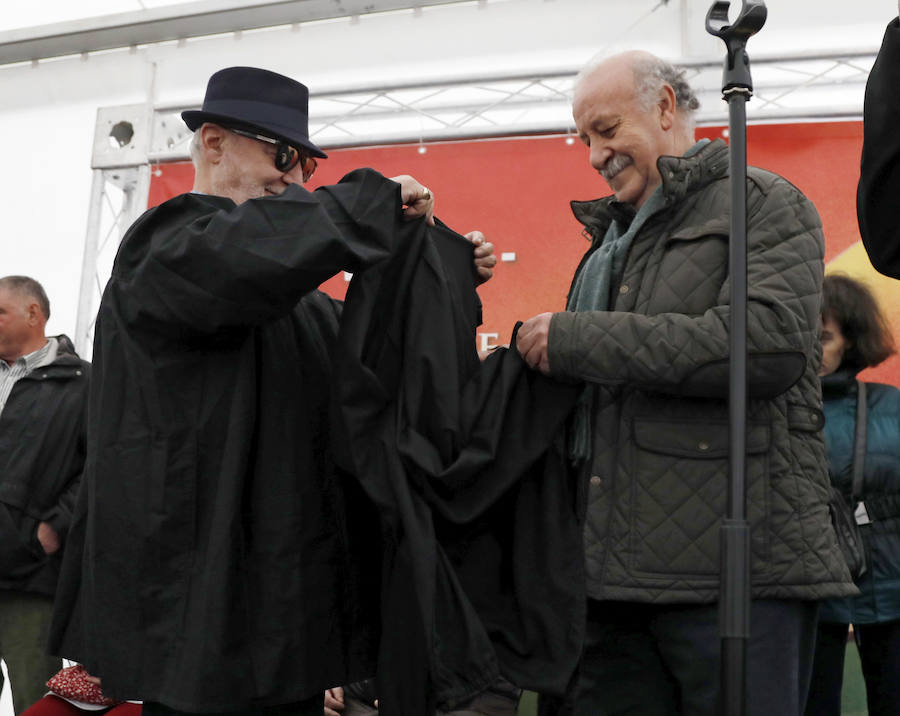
334	701
485	260
416	197
532	342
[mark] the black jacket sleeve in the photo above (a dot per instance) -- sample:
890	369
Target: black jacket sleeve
879	181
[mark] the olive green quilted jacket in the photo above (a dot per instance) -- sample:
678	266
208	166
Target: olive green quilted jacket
657	479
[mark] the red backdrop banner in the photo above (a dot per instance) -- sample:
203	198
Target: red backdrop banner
517	191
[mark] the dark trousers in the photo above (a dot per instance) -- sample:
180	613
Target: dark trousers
313	706
24	628
663	660
879	652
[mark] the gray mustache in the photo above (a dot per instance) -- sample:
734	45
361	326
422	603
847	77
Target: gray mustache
615	165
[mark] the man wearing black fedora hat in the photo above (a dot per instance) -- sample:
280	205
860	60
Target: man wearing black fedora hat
246	107
215	570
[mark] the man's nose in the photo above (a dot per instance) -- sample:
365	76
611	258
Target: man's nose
600	155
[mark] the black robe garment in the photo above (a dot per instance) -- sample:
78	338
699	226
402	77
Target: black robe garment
215	568
483	548
220	560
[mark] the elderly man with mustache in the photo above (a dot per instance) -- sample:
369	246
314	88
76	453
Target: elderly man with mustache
646	330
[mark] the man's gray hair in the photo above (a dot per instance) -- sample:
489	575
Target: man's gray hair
194	147
652	73
25	286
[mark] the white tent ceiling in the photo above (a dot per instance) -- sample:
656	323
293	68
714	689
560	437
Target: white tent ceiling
23	15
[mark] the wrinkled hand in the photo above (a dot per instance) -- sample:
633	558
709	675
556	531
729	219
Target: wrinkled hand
417	199
48	538
485	260
532	342
334	701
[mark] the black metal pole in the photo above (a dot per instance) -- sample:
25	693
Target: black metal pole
734	605
734	590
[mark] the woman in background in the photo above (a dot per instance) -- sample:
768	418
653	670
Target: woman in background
855	336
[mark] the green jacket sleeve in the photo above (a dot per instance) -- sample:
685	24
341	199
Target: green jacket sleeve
688	354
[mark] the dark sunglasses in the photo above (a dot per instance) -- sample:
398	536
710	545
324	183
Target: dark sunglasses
286	155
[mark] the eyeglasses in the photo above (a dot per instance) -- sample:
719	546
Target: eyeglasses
287	156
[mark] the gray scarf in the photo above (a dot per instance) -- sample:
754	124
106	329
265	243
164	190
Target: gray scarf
592	292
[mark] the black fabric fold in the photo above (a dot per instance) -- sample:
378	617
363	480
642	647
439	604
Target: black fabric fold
482	570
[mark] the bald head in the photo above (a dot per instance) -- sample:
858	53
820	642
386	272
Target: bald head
630	109
649	74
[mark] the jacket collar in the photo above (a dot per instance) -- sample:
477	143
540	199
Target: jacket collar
841	382
680	177
66	358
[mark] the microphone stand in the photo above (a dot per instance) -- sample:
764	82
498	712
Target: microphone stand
734	589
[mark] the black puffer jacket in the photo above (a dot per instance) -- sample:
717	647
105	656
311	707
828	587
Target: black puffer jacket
659	466
42	447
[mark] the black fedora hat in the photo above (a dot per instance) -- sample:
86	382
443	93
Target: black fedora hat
250	98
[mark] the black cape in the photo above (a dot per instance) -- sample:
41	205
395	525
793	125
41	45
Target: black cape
482	521
210	565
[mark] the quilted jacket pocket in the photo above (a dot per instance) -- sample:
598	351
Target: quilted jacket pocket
679	493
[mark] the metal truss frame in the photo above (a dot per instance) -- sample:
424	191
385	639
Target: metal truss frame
791	88
118	197
788	88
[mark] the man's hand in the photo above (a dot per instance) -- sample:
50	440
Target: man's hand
532	341
334	701
417	199
48	538
485	260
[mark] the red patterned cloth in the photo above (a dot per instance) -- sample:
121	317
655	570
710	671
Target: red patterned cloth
72	683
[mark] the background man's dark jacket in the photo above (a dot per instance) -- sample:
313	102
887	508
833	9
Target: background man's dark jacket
217	570
42	449
879	180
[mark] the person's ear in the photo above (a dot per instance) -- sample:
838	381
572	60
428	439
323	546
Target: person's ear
33	314
667	107
212	141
